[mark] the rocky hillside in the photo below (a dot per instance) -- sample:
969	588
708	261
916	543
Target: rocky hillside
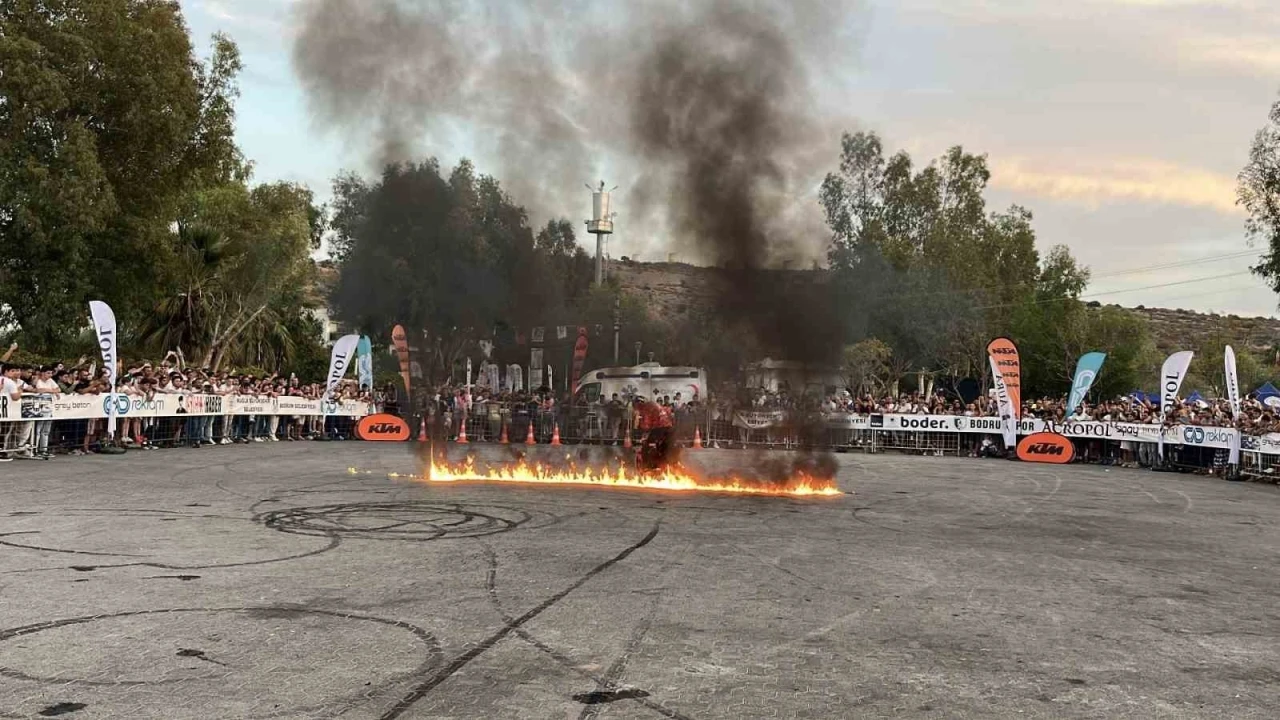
678	289
1180	329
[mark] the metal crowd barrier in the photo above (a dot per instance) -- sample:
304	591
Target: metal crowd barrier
36	437
492	422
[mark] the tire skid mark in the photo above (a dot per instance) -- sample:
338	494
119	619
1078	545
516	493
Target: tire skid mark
564	660
426	686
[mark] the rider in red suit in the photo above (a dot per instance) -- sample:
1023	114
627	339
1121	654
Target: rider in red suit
657	423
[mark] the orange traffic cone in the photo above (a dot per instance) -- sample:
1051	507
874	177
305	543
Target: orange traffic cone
422	430
530	439
504	439
697	438
555	434
462	433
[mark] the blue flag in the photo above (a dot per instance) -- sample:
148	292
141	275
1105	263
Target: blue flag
364	362
1086	370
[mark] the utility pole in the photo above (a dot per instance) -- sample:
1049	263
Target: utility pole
617	326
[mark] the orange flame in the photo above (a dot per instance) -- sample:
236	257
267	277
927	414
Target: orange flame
676	478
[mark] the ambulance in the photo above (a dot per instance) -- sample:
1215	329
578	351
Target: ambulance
651	380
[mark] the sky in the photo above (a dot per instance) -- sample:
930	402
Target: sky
1121	124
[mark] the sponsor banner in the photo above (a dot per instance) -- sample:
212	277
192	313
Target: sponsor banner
1007	366
251	404
104	325
1172	373
289	405
1004	405
759	420
401	343
579	358
1046	447
37	407
90	407
840	421
1233	395
1187	435
382	428
339	361
1086	372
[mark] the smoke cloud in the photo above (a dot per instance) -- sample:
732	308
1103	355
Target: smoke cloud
549	94
707	116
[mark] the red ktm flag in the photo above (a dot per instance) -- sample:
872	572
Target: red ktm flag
401	343
579	356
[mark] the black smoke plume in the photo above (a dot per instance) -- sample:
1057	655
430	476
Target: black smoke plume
710	110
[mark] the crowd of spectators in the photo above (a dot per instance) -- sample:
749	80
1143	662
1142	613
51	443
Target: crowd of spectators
1256	417
485	414
145	381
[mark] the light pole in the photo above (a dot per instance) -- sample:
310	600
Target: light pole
617	327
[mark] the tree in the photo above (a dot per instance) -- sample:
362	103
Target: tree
453	259
99	140
1208	372
1259	193
238	287
934	217
865	364
921	264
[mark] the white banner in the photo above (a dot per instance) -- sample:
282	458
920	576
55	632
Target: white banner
1008	414
104	326
339	361
1186	435
758	420
1233	395
92	407
1171	377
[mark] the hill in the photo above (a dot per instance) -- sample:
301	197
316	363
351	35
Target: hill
674	289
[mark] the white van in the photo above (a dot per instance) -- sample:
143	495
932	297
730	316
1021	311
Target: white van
649	379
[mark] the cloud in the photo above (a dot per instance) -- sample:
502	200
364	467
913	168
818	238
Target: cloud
1115	181
256	17
1258	54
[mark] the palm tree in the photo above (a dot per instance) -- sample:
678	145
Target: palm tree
181	320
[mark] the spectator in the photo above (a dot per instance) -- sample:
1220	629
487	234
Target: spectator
11	394
45	385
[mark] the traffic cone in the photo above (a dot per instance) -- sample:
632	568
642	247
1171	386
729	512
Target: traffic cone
697	438
422	430
555	434
462	433
529	440
504	439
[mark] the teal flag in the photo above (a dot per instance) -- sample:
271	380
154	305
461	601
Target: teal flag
364	362
1086	370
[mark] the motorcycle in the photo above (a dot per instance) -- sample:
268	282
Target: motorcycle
655	452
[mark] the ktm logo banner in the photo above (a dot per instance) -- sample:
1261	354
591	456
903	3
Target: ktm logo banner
1007	362
382	428
1046	447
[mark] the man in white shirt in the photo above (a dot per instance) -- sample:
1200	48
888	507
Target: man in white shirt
11	396
44	384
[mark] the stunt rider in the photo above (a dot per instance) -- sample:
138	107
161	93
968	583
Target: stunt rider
655	446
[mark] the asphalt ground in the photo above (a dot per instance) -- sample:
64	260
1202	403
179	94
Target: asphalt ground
266	581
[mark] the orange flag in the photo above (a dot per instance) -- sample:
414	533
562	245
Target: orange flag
1004	355
401	343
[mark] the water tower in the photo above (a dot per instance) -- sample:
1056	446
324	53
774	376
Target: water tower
600	224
